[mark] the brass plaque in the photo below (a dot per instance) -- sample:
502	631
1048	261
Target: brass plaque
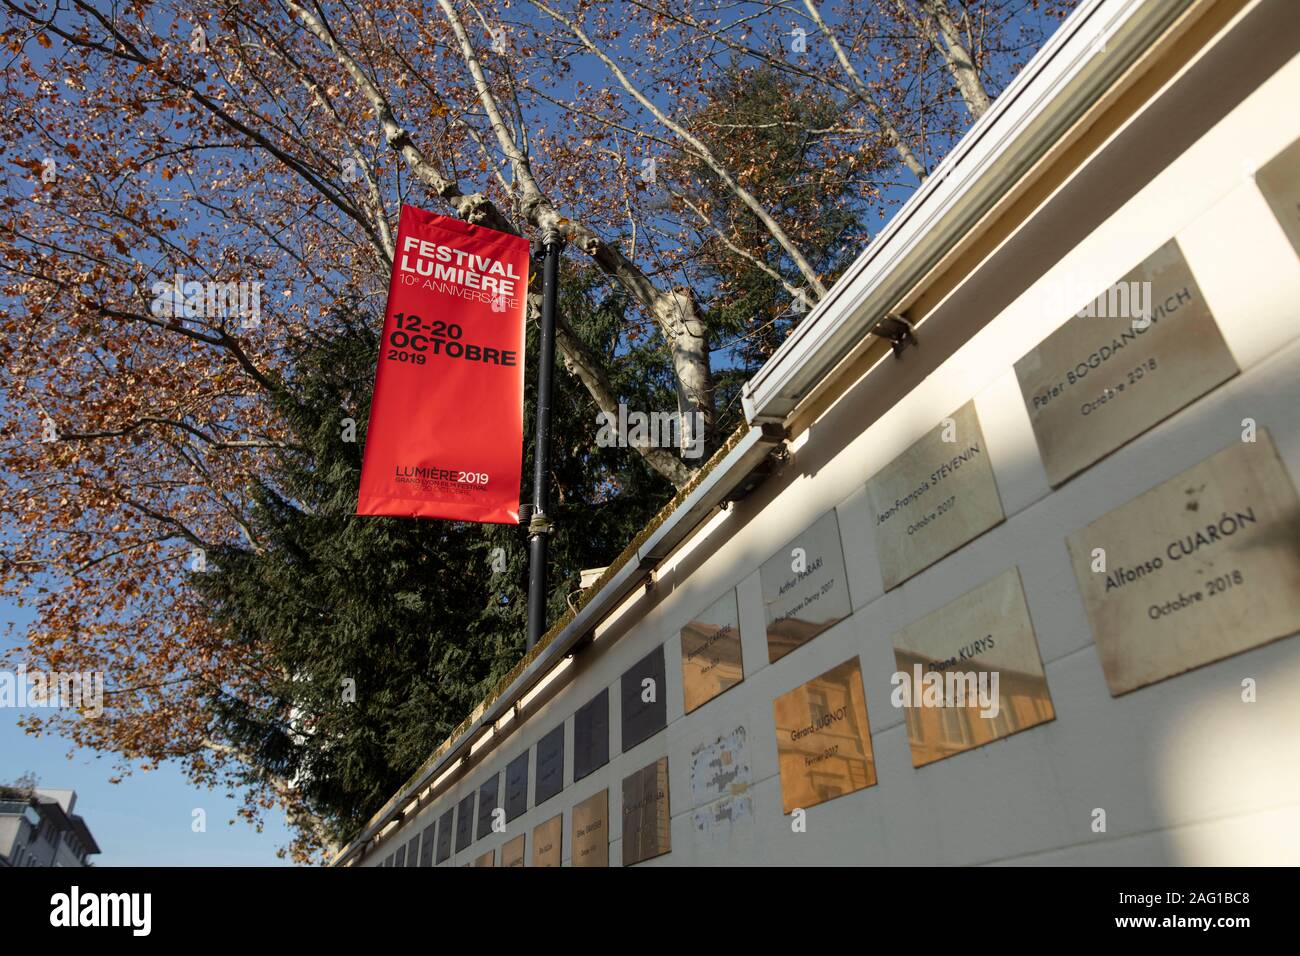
1279	181
823	741
512	852
1102	379
804	587
548	839
646	831
487	859
591	831
711	660
934	497
969	673
1197	569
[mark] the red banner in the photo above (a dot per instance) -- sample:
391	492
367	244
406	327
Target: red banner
446	423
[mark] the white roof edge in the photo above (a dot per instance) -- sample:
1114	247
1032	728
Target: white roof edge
1080	61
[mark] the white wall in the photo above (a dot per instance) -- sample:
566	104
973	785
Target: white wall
1187	773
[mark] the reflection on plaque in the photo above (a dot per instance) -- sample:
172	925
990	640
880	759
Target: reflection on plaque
465	822
711	660
591	736
823	742
413	851
1279	181
516	786
1149	347
1197	569
399	858
488	792
444	836
487	859
645	703
804	587
547	841
970	673
591	831
645	813
550	766
426	845
720	782
512	852
934	497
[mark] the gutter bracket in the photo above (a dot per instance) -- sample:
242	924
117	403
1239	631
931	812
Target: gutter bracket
897	330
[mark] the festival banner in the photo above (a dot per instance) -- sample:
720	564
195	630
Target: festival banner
446	423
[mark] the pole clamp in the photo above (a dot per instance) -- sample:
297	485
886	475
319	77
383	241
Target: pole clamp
539	524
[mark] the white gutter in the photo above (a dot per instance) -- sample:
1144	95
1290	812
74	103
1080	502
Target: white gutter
1078	64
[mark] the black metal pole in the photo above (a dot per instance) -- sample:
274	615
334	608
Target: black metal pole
539	525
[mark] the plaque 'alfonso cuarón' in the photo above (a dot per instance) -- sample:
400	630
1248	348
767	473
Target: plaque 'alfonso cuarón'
1197	569
823	741
1132	357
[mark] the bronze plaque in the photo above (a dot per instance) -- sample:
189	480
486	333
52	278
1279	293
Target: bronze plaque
591	736
426	847
646	831
512	852
644	700
934	497
1279	181
823	741
804	587
550	766
711	660
591	831
444	835
488	793
547	841
969	673
487	859
516	786
465	822
1140	351
1197	569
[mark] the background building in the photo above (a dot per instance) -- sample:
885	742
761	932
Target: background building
38	828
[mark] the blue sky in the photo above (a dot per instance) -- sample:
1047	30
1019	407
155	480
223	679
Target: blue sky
146	819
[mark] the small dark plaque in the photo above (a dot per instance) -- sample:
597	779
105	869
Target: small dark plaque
444	835
413	851
550	766
465	822
399	859
389	861
591	736
645	709
488	794
517	786
426	846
